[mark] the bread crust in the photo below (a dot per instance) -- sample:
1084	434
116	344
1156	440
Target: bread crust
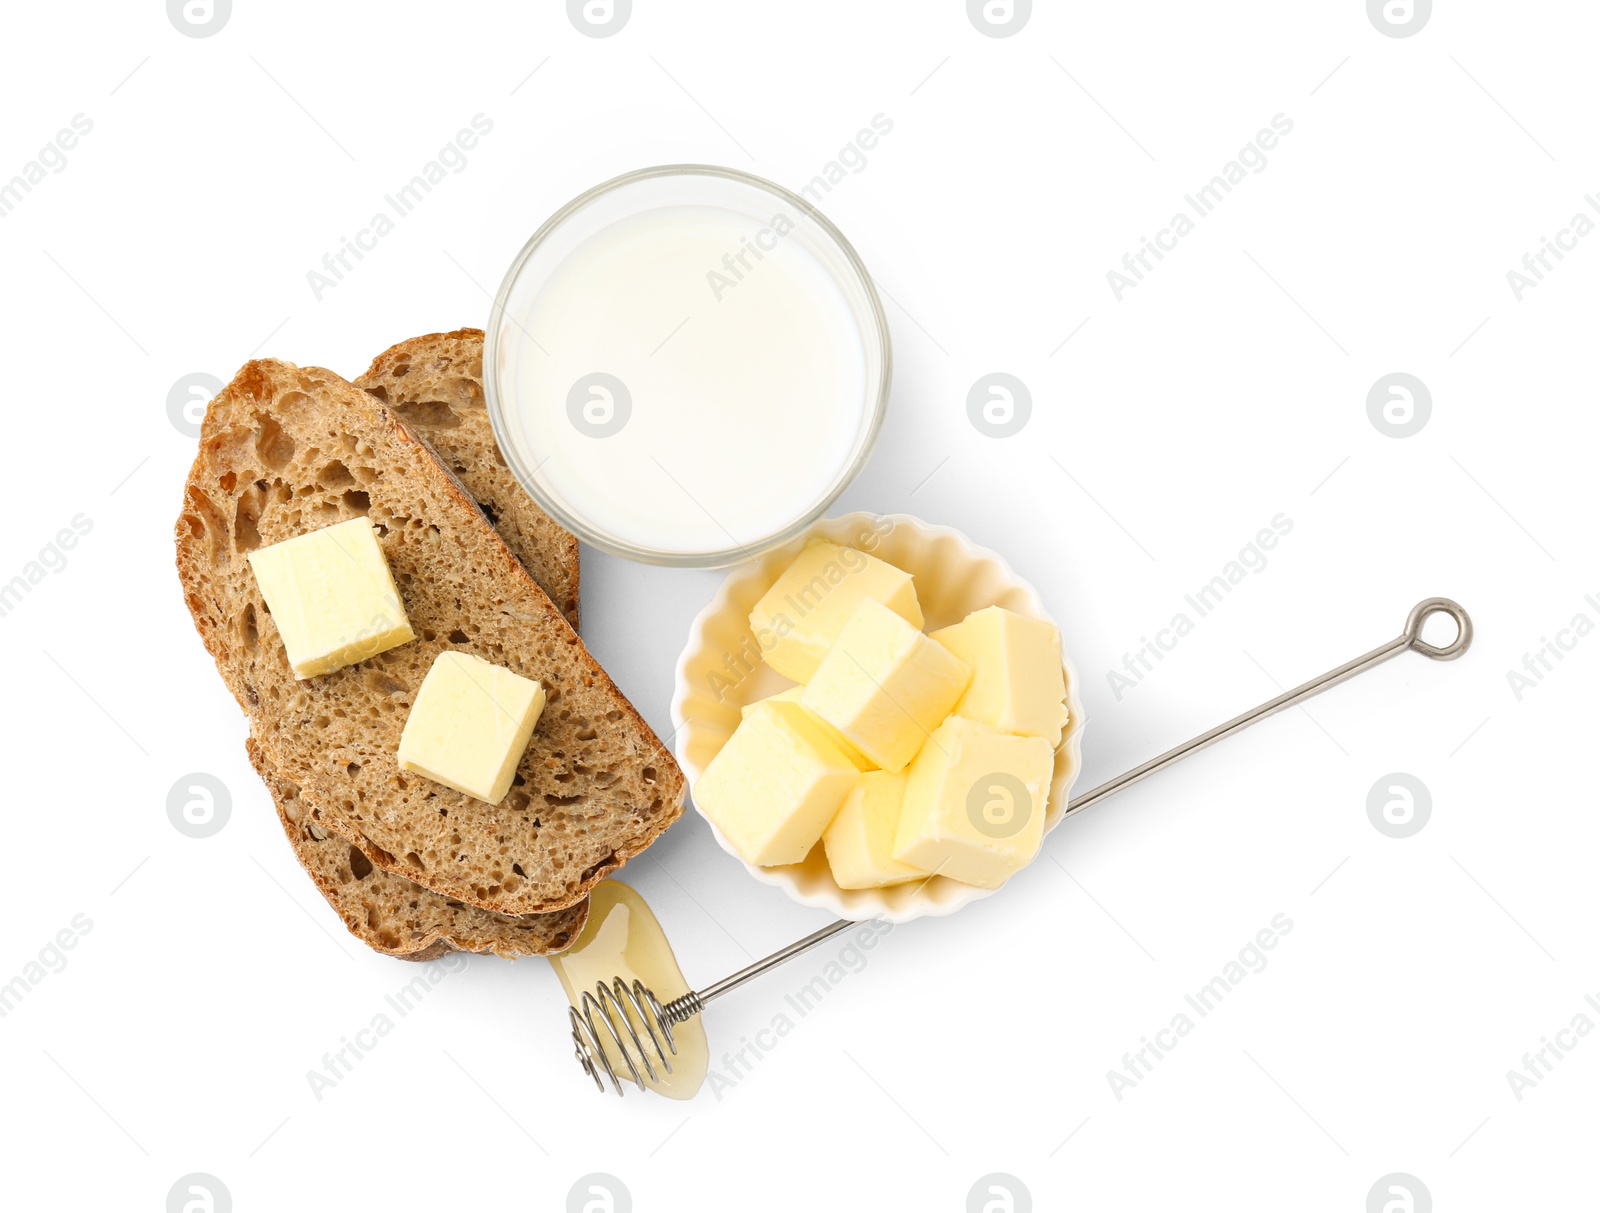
608	785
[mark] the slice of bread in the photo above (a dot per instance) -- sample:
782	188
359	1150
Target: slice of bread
435	385
285	451
393	916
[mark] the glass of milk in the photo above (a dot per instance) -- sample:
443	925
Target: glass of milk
686	365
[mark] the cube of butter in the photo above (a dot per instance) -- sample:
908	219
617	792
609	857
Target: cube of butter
798	619
860	841
470	725
792	695
885	685
1017	682
975	803
332	597
775	785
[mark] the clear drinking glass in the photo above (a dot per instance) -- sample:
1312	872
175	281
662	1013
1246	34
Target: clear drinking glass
742	492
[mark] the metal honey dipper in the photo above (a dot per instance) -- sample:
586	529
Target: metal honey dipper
637	1024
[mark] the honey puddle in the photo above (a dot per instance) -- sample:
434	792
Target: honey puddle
623	939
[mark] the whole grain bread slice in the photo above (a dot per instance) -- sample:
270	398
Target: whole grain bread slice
286	450
435	385
392	915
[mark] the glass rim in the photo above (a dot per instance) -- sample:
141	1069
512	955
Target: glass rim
878	406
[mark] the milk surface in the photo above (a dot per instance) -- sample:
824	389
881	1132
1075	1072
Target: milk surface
689	380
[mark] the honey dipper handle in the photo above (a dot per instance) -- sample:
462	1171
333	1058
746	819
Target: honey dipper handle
771	962
686	1006
1411	638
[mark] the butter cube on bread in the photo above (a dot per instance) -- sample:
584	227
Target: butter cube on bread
470	725
975	803
885	685
332	596
799	618
775	785
1017	682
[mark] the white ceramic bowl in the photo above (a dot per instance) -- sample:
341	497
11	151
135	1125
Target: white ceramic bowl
720	671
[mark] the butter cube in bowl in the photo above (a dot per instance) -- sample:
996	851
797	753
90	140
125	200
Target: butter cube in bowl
804	610
885	686
724	669
774	787
859	842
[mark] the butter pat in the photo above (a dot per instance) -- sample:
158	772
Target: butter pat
799	618
859	760
332	597
470	725
1017	683
975	803
860	841
885	685
775	785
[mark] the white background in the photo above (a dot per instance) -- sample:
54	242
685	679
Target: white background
1227	388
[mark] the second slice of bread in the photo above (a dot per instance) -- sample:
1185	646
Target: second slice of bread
285	451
